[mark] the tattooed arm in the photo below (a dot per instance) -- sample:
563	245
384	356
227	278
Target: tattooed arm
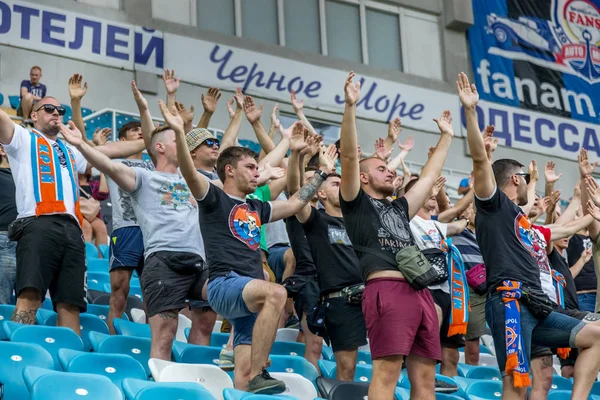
286	208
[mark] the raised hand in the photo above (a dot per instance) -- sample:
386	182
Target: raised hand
186	115
489	141
577	189
439	185
209	102
230	109
171	83
252	112
533	171
585	167
444	123
274	119
239	98
380	151
394	129
351	90
101	136
405	172
172	117
467	93
298	105
333	153
593	191
586	254
550	173
71	134
297	139
326	160
272	172
140	100
543	205
408	145
76	91
555	197
593	210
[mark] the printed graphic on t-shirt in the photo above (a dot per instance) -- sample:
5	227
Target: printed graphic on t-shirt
124	197
338	235
61	155
177	194
532	240
433	236
244	225
393	234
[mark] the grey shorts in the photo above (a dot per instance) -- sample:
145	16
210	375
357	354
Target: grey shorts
476	327
171	278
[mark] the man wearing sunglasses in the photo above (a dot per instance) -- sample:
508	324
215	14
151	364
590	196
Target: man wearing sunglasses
50	249
204	149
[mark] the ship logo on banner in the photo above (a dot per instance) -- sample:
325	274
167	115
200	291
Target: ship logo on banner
568	43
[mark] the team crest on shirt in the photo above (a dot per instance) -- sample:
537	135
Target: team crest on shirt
244	225
532	240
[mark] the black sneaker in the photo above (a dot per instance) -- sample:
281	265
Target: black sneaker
445	387
264	384
292	322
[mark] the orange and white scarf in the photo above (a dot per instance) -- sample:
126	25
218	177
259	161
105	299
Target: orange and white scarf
47	177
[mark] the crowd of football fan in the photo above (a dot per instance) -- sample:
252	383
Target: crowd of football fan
307	235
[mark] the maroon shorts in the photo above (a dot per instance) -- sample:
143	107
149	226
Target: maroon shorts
400	320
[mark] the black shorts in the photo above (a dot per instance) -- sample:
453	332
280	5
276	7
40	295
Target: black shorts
570	360
51	256
442	300
307	298
345	324
171	278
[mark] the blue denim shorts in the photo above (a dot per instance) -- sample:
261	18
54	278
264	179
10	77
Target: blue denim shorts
8	268
555	331
225	297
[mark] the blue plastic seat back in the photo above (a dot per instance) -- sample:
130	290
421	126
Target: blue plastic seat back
90	322
6	312
95	264
98	277
147	390
234	394
404	382
14	357
68	113
491	390
45	317
443	396
298	365
101	311
86	111
364	357
91	251
15	101
68	386
363	373
115	367
328	368
560	383
288	349
217	339
559	395
328	353
194	354
104	251
483	349
129	328
490	373
51	338
47	304
136	347
401	394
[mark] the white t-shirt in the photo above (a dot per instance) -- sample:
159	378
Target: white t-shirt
427	236
19	157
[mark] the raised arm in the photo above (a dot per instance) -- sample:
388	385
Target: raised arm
171	86
232	131
420	192
455	211
123	175
197	182
146	118
122	149
586	255
76	93
533	180
405	148
570	212
298	106
253	114
586	168
551	177
485	183
550	211
209	102
394	129
456	227
275	156
560	231
186	115
350	185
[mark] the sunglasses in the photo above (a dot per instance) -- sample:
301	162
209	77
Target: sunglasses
525	175
49	108
212	142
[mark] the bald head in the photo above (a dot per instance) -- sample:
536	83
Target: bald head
372	162
47	120
375	174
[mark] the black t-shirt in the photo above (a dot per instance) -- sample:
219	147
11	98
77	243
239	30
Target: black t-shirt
570	292
586	279
8	204
331	249
304	261
506	241
231	232
377	224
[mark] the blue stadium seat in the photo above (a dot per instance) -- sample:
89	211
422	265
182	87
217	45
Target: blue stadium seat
288	349
490	373
484	390
14	357
101	311
464	383
50	338
136	347
91	251
86	111
364	357
595	389
47	304
234	394
15	101
52	385
559	395
115	367
98	278
194	354
6	312
484	350
128	328
1	99
405	383
217	339
88	322
104	251
363	373
327	353
293	364
146	390
327	368
95	264
443	396
560	383
45	317
401	394
68	113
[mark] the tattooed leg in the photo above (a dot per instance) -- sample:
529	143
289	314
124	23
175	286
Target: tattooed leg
163	327
24	316
28	303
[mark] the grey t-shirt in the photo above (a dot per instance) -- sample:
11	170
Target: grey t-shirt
122	210
276	232
167	213
212	176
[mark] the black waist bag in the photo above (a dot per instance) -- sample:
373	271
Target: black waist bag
294	284
539	306
315	319
354	293
438	261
